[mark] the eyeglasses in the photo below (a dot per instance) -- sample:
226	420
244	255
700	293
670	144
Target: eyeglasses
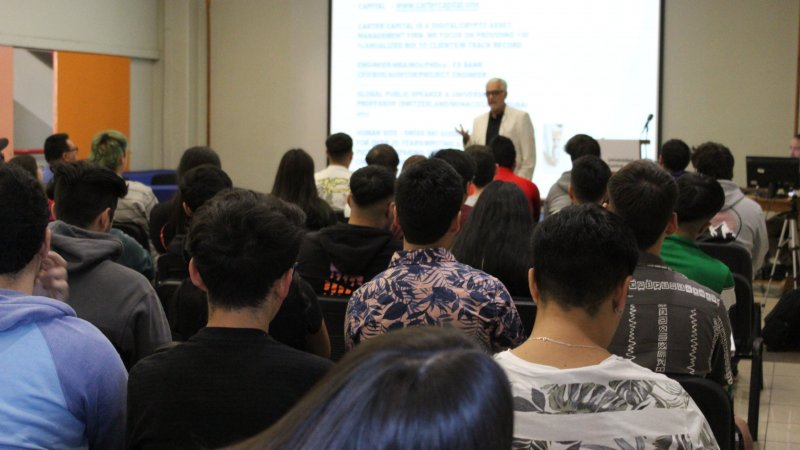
494	93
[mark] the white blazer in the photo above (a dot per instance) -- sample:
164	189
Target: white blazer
517	126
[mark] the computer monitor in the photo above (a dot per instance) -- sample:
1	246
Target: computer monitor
774	173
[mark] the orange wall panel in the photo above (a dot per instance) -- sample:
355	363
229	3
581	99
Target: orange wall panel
7	98
92	93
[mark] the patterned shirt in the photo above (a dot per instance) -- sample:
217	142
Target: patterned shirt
615	404
333	185
673	325
429	287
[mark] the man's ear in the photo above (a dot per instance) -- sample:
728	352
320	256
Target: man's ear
395	218
186	209
672	225
390	209
532	286
102	222
455	225
621	296
283	283
350	200
195	276
571	193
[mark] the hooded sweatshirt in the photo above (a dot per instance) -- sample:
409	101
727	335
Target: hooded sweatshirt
117	300
62	385
558	197
337	260
742	218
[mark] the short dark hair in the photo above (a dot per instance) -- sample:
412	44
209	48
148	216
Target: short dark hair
411	160
582	254
700	197
428	196
383	155
339	145
83	190
580	145
421	387
28	163
371	184
460	161
589	178
484	164
197	156
675	155
55	146
201	183
644	195
713	159
23	218
242	242
504	152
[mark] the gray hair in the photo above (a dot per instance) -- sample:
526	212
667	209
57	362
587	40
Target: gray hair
499	80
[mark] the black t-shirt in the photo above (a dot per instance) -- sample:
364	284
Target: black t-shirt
221	386
493	129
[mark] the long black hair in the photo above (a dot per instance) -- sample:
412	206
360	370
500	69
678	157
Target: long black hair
497	235
416	388
294	183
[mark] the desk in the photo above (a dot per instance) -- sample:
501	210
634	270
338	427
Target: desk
772	205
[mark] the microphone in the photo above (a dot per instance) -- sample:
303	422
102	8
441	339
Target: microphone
646	127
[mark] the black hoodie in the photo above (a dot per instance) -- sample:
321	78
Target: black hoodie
338	259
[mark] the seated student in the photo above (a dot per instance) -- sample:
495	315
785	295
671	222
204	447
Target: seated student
699	199
110	150
505	155
674	157
567	387
294	183
485	169
333	181
424	284
116	299
670	324
465	167
740	217
338	259
383	155
231	380
428	388
167	219
577	146
62	384
58	149
499	250
589	180
28	163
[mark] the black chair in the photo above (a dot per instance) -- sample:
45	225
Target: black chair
161	179
714	403
165	289
527	312
736	257
170	266
135	231
333	311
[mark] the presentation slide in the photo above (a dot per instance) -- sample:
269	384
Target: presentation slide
408	73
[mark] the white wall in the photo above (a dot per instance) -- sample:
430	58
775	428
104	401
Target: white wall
33	98
729	75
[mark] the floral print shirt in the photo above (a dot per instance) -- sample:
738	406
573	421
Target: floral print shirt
429	287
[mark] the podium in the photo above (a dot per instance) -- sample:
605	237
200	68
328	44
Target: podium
618	152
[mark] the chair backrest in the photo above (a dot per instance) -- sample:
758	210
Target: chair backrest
736	257
135	231
160	179
333	311
527	312
741	315
714	403
166	290
170	266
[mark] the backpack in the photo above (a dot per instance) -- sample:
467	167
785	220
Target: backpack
782	325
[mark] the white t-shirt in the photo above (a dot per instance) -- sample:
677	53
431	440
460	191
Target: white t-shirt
614	404
333	185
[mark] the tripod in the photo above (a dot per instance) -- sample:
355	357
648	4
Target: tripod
790	241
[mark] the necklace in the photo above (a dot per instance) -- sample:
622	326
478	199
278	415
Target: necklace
566	344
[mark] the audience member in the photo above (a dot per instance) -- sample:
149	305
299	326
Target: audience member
485	169
670	324
62	384
231	380
294	183
501	251
411	160
589	180
465	167
424	284
58	148
333	182
110	150
384	155
699	199
116	299
338	259
674	157
740	218
794	146
505	156
584	260
419	388
167	219
558	197
28	163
